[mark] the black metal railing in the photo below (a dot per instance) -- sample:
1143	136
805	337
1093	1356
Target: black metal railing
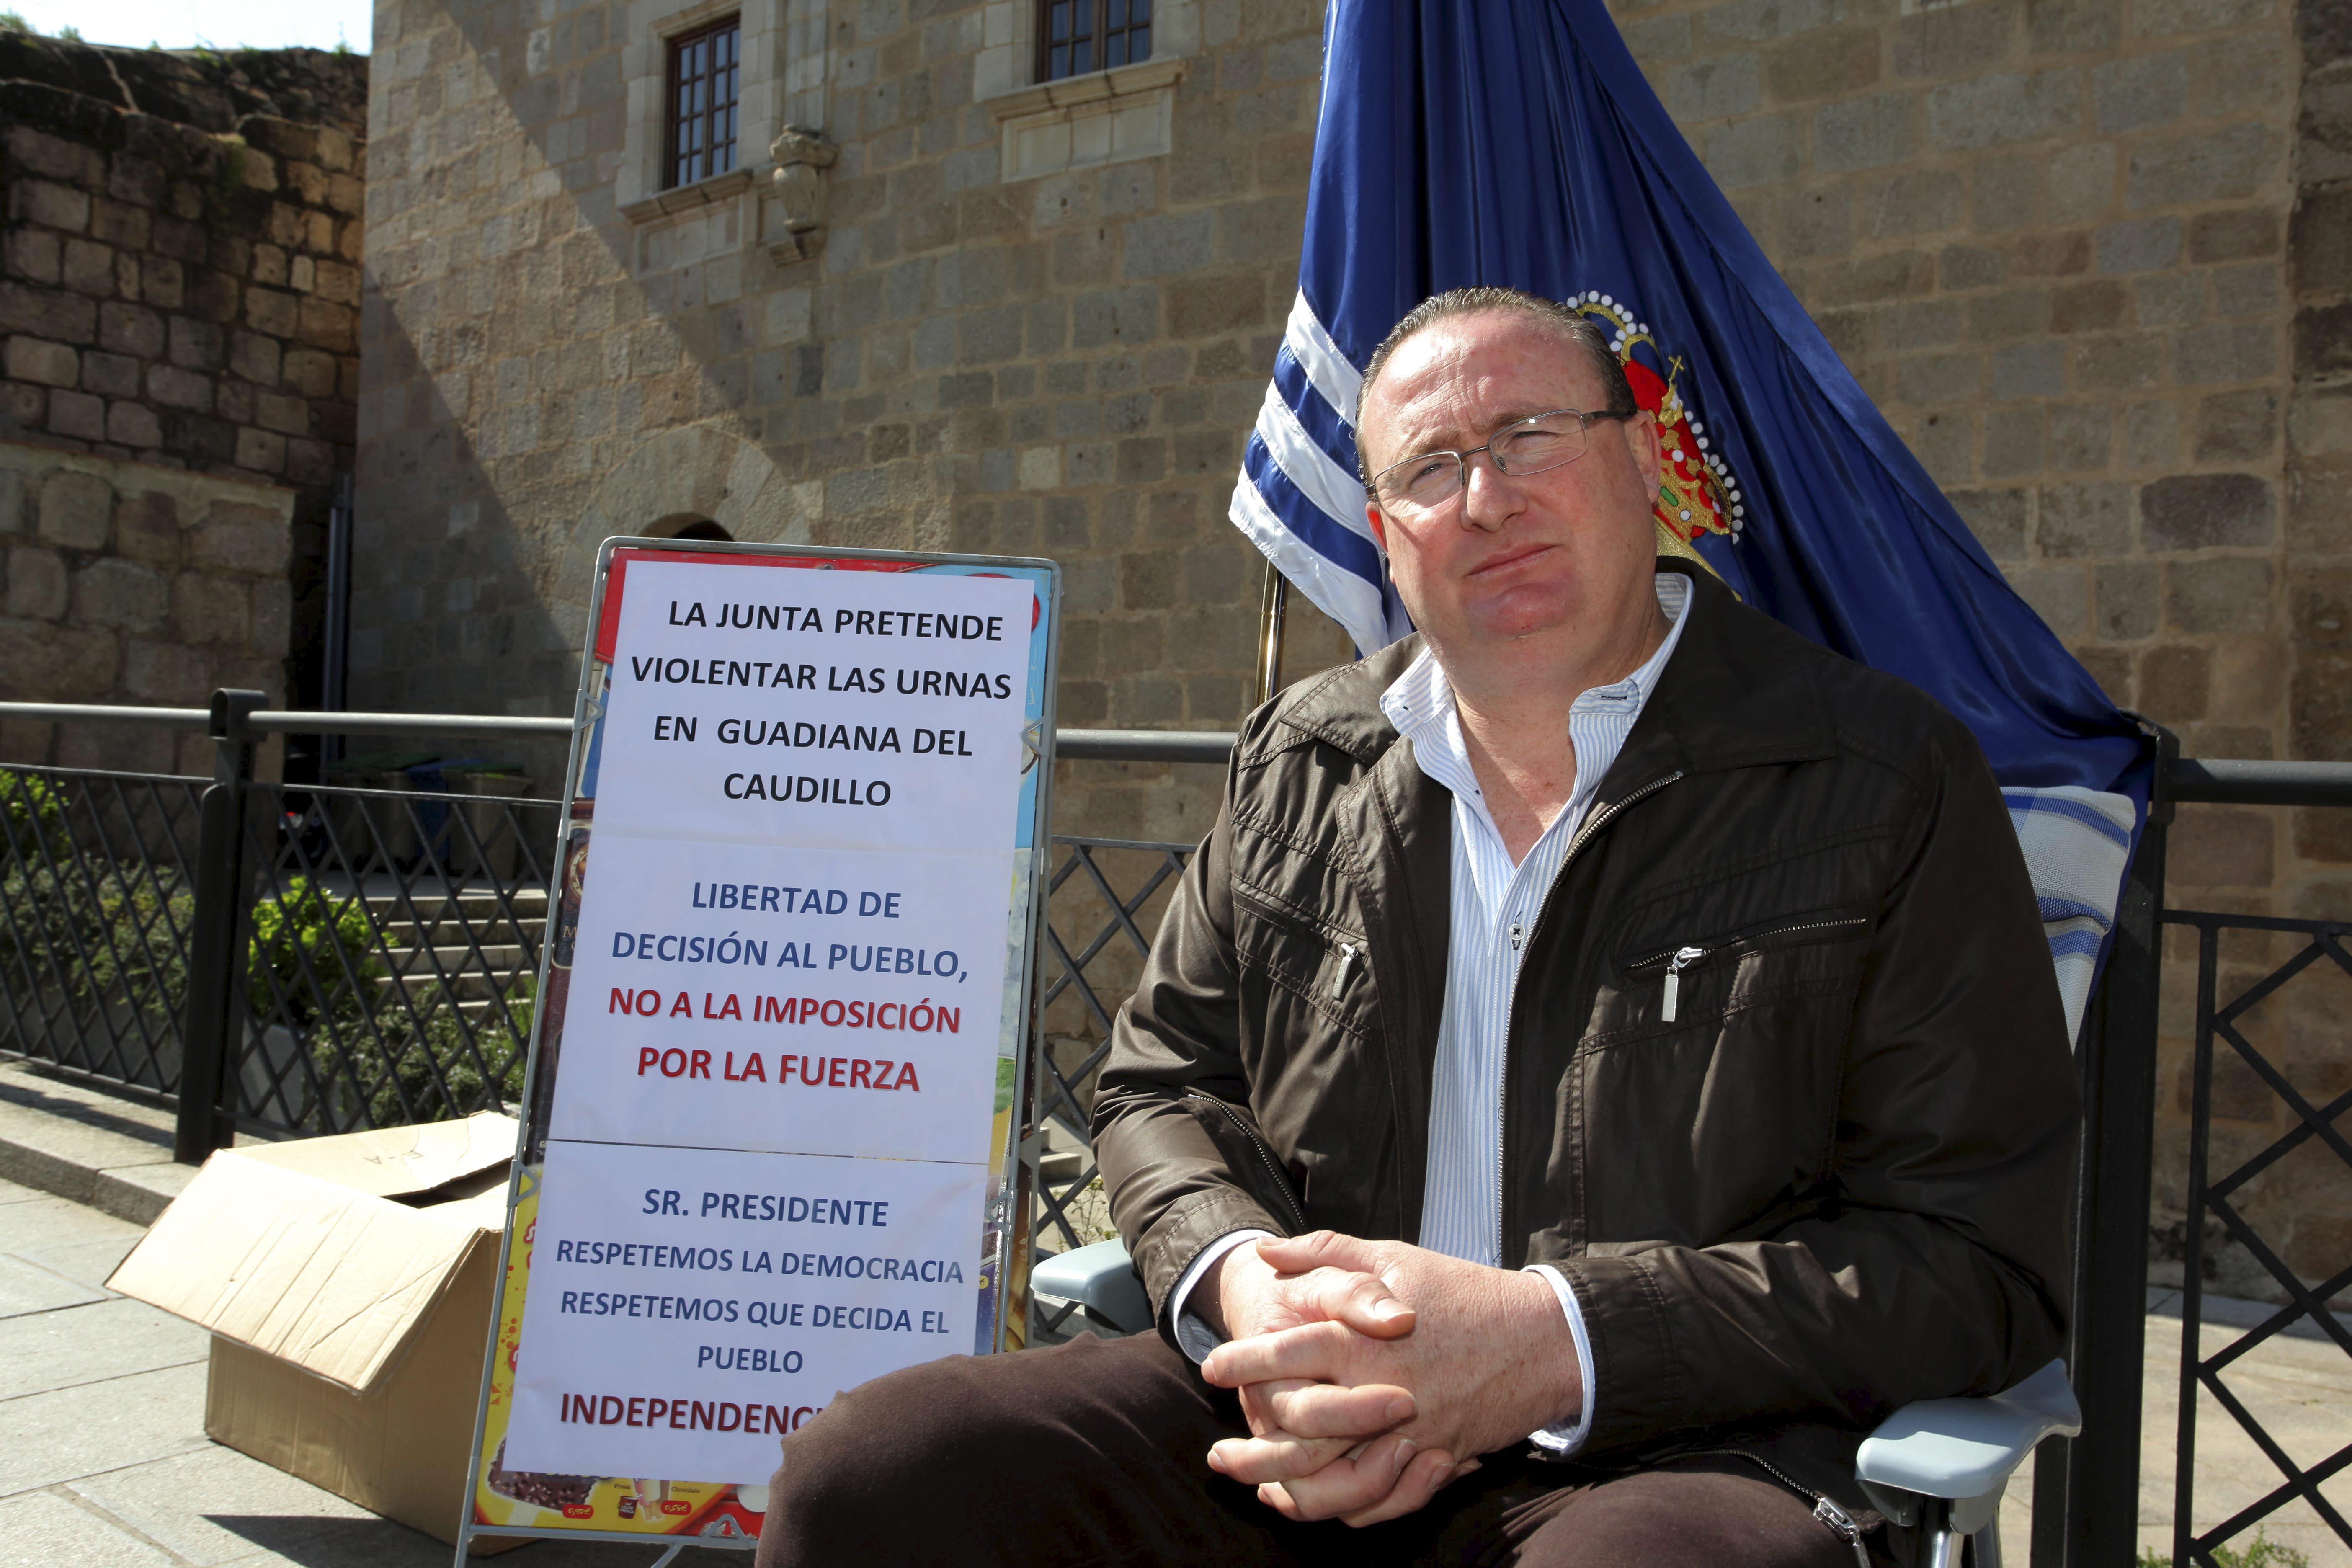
2232	1035
307	959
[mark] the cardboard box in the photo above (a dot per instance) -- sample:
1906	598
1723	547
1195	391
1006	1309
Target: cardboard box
348	1285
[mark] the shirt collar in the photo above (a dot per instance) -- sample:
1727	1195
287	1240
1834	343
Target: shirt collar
1420	702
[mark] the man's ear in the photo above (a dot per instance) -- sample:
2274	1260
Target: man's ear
1642	437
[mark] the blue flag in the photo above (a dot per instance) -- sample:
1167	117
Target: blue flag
1516	142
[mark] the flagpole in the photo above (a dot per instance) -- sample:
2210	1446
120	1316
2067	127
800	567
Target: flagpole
1275	599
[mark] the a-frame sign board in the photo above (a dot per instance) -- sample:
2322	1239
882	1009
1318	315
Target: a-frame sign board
768	1147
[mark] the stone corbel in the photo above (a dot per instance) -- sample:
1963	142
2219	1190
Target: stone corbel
792	218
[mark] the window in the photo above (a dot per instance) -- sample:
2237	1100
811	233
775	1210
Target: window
1076	36
703	69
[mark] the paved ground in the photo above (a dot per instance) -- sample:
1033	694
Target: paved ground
104	1463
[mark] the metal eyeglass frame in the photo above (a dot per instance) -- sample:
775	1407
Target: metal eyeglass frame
1462	459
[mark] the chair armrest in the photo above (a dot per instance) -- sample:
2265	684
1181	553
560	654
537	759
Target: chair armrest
1101	1278
1961	1449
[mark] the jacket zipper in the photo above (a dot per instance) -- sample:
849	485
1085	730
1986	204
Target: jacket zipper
1682	958
1583	836
1839	1522
1265	1155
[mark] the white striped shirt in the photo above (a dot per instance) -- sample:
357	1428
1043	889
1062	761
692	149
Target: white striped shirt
1495	907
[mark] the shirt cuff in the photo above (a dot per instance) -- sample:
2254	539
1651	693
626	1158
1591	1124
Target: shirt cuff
1565	1437
1194	1337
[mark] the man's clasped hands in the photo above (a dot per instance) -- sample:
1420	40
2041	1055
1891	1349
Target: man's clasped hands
1374	1372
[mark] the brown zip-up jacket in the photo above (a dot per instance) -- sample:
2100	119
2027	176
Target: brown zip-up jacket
1837	1182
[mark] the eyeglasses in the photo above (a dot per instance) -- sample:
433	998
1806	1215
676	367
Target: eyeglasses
1531	446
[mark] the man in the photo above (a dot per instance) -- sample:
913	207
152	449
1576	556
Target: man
1603	1058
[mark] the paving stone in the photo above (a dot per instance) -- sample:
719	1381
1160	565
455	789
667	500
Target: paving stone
86	1431
26	1287
45	1222
43	1529
89	1263
65	1348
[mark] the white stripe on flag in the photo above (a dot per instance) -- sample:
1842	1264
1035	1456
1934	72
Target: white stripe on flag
1339	594
1327	370
1334	492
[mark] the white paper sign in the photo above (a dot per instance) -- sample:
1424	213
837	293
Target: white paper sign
706	1304
784	1012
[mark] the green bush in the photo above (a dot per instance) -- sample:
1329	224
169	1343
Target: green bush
409	1060
73	924
335	936
36	812
2262	1553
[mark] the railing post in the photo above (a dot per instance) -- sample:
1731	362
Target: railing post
2086	1489
212	979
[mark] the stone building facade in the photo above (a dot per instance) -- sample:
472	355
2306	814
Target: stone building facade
181	282
138	585
2090	256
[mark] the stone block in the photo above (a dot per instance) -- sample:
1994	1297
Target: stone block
2084	520
272	620
1997	518
48	203
1971	267
211	609
161	283
121	594
1923	324
194	345
1201	305
2019	313
34	255
2009	106
2072	26
1715	87
48	313
2125	595
2089	307
77	415
324	324
2134	94
41	154
88	267
2322	238
2237	427
269	311
1763	150
257	358
177	388
2167	299
77	510
236	536
287	416
118	223
2151	436
1170	244
130	329
2082	436
57	661
2139	245
2176	683
1920	202
1870	133
2323	340
2248	290
109	376
2209	167
2082	182
2162	18
2201	511
260	451
147	528
1820	65
2049	255
2213	847
1951	41
45	363
1933	379
2223	352
2227	596
37	585
2013	442
134	425
2029	370
169	673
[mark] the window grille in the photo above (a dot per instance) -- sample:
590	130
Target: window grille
704	66
1075	36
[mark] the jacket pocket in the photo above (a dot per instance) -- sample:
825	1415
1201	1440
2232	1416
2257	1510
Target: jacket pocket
1668	986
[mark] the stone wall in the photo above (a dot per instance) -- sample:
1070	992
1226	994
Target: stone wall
181	284
1063	364
134	584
